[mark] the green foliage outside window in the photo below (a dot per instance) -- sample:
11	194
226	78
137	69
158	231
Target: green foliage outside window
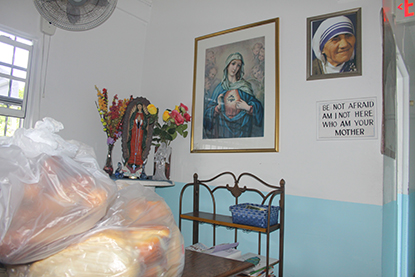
9	124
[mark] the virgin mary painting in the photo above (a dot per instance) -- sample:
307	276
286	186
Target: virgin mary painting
233	109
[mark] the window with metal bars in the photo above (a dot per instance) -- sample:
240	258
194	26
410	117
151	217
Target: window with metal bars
15	61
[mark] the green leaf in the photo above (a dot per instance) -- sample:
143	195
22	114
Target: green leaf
182	130
172	130
166	136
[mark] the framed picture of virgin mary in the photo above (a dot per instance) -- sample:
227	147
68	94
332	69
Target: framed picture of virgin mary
236	90
334	45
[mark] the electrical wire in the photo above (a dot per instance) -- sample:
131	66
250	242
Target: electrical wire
44	65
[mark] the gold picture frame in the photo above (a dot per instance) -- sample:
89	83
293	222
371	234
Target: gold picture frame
236	90
322	33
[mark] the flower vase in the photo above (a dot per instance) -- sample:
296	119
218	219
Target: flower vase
162	160
108	168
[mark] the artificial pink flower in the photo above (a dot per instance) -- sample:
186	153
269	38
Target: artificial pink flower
178	118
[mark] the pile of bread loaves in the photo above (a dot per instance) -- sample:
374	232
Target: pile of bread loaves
60	218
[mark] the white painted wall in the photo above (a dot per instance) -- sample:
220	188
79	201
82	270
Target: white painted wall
155	60
109	56
113	56
336	170
405	40
404	206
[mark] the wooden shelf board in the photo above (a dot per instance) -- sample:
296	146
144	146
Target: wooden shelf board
145	183
224	220
202	264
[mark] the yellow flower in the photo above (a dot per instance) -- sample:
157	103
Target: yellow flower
152	109
166	115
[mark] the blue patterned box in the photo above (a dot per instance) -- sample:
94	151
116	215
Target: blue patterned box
254	214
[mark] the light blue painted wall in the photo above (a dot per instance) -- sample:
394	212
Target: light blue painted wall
323	237
411	234
396	242
389	239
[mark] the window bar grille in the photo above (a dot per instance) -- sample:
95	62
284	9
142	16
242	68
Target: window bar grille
6	119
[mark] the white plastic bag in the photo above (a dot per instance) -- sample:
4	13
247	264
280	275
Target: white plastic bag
60	215
50	190
137	237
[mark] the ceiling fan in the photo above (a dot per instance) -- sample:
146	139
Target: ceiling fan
75	15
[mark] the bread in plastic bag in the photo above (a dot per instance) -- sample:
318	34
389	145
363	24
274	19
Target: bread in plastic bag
50	190
137	237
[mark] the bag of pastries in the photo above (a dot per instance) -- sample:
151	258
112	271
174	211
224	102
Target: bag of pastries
137	237
50	191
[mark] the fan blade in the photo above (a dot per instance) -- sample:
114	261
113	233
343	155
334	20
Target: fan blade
73	13
48	1
102	3
78	3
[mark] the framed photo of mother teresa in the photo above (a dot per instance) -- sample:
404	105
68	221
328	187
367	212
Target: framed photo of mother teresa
334	45
236	90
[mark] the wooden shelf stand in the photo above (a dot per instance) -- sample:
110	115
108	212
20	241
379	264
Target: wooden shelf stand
197	216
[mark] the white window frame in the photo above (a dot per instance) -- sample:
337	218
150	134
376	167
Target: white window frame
10	100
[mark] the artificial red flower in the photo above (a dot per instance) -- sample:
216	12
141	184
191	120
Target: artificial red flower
184	107
187	117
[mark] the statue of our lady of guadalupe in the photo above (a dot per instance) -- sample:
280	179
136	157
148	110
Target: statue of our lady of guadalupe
136	137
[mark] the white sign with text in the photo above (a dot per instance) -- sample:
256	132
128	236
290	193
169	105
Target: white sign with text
353	118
